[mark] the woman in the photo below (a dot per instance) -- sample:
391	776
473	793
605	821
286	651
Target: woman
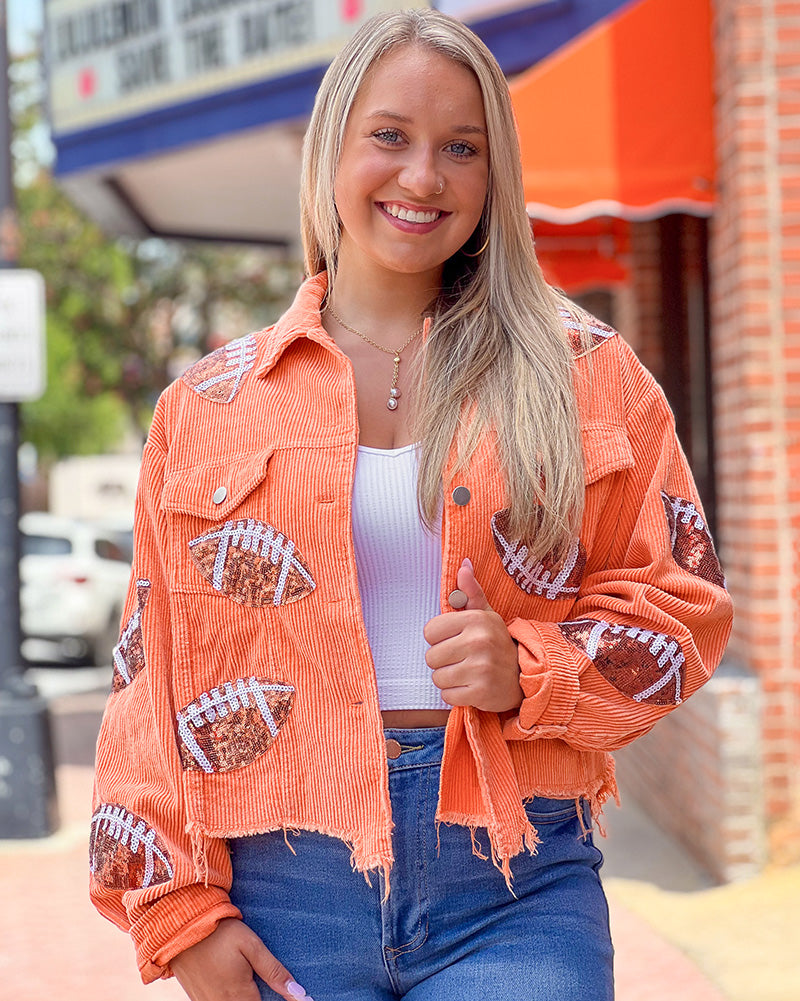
409	564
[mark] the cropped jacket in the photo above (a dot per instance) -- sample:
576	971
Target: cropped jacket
244	696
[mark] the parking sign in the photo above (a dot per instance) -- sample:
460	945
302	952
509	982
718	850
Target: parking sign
22	340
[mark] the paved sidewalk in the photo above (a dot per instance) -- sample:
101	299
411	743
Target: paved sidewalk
54	945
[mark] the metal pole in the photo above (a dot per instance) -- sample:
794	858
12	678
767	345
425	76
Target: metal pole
27	776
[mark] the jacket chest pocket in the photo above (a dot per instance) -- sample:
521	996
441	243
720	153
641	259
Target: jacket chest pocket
222	539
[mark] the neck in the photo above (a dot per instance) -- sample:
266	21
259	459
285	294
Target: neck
391	305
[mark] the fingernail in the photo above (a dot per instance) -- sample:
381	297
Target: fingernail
297	991
468	563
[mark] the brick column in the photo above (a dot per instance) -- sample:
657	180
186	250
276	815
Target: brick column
755	287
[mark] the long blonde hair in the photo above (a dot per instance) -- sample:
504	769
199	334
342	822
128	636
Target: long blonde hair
497	359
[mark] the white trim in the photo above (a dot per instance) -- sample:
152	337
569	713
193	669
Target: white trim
609	207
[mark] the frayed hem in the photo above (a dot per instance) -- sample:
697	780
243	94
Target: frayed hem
360	860
199	856
501	853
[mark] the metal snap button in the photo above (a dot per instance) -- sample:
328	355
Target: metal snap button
393	749
461	496
457	599
219	495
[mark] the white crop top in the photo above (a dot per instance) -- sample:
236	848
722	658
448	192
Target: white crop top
399	567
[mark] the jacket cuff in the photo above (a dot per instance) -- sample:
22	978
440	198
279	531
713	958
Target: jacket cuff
549	679
175	922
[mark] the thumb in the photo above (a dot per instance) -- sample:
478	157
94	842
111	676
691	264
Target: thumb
468	583
275	974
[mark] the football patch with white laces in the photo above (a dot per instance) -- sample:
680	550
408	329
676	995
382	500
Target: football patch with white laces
128	655
219	376
252	563
124	853
231	725
642	664
598	332
692	546
544	578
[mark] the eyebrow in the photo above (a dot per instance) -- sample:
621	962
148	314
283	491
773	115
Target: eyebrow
404	119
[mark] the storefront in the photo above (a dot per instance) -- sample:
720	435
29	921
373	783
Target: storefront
662	171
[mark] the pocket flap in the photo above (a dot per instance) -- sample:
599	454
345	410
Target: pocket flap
213	490
606	449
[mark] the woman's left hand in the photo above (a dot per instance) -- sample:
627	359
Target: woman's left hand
472	654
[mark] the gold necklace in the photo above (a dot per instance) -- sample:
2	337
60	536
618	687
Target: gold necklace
394	392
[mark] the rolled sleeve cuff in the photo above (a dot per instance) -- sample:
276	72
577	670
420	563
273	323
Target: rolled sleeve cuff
548	678
176	922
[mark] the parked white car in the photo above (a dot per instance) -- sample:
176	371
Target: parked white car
74	576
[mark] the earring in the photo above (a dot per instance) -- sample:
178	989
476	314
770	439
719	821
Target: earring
477	252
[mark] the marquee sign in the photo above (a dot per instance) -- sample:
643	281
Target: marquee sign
114	59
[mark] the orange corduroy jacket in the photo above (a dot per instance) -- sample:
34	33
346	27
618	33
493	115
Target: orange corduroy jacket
244	697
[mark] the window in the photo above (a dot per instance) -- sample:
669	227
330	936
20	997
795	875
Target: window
45	545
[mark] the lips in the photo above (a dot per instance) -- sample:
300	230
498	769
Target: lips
418	216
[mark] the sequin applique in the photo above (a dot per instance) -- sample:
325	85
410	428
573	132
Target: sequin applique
219	376
231	725
252	563
546	578
690	540
124	853
642	664
128	655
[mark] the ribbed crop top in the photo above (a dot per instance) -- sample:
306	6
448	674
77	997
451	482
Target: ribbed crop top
399	566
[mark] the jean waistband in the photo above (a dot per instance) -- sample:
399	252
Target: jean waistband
414	748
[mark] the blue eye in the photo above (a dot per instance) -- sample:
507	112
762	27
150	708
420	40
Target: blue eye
390	136
462	149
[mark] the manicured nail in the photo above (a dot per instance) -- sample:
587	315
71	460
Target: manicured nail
468	563
297	991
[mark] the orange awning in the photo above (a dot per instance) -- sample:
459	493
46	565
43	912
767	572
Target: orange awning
584	255
620	121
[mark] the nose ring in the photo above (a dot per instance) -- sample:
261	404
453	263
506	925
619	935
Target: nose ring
440	189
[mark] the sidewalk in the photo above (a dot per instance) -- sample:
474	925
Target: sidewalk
54	945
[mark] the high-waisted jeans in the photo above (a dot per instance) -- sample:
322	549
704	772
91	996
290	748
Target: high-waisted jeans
450	929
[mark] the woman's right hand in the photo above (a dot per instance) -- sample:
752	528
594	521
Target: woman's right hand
221	967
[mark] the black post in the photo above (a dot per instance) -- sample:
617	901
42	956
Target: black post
27	777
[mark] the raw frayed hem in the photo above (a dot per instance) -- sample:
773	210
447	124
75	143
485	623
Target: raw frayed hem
500	854
360	861
199	856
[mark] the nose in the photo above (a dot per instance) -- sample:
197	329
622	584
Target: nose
419	175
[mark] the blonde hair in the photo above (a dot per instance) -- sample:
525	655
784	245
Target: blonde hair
497	360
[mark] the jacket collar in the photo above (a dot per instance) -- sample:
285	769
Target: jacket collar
301	319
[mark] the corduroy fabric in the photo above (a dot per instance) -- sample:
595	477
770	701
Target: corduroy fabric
254	452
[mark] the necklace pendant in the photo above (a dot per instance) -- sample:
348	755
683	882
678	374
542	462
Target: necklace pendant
394	391
391	403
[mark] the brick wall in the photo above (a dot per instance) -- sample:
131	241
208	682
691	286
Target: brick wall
755	285
699	774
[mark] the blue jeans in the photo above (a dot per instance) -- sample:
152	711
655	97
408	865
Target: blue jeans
450	930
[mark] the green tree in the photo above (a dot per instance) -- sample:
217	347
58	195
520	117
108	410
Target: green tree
123	317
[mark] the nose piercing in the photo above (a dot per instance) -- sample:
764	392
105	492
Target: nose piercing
440	189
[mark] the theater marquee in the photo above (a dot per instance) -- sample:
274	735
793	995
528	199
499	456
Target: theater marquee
118	59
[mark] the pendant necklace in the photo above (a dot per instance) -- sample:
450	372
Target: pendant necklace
394	392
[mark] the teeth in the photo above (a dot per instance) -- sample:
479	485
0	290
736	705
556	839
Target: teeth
409	215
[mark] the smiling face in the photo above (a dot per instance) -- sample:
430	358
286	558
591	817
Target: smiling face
417	127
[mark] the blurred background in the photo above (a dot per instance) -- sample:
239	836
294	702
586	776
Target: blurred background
155	150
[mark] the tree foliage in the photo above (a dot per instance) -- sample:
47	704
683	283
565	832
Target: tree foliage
124	318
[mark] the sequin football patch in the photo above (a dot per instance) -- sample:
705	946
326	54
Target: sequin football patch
219	376
598	332
545	578
231	725
128	655
642	664
252	563
692	546
124	852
